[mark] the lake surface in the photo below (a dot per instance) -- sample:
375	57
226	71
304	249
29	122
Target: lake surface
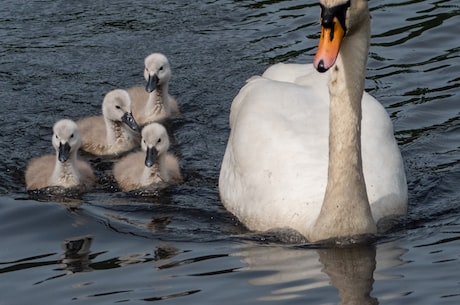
59	58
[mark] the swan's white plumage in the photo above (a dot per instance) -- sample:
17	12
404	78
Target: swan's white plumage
49	171
275	168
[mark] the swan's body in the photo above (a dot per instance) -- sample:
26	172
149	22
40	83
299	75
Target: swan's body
299	155
112	133
153	167
153	103
62	169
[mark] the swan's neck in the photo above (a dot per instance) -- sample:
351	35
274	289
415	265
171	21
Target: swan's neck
65	173
158	101
345	210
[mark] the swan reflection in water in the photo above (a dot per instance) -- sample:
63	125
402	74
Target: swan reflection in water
300	271
76	254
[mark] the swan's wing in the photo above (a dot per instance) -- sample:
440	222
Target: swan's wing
281	72
382	161
272	124
288	72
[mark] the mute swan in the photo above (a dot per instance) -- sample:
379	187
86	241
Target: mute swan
111	133
310	151
153	167
153	103
62	169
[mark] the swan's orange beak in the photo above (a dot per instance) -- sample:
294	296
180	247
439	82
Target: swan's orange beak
329	46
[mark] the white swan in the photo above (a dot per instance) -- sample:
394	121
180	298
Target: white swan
112	133
153	167
294	156
62	169
153	103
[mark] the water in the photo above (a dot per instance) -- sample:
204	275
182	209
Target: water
59	58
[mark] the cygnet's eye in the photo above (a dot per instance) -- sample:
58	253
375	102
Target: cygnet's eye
118	107
159	140
71	136
161	68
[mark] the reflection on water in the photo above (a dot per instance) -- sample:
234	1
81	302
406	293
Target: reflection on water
76	254
302	273
351	271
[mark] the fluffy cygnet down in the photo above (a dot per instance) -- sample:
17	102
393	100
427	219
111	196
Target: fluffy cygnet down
62	169
153	103
153	167
113	133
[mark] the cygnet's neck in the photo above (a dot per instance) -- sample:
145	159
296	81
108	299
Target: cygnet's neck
157	173
158	101
116	131
346	210
65	173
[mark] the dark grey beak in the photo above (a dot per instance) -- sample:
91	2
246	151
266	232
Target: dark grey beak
150	156
64	152
128	119
152	83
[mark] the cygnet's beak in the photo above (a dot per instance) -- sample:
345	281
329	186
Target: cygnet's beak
152	83
63	152
150	156
129	120
333	30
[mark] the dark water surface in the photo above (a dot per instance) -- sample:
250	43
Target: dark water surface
59	58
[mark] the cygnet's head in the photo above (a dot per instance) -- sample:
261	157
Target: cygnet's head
157	71
155	141
66	139
117	107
